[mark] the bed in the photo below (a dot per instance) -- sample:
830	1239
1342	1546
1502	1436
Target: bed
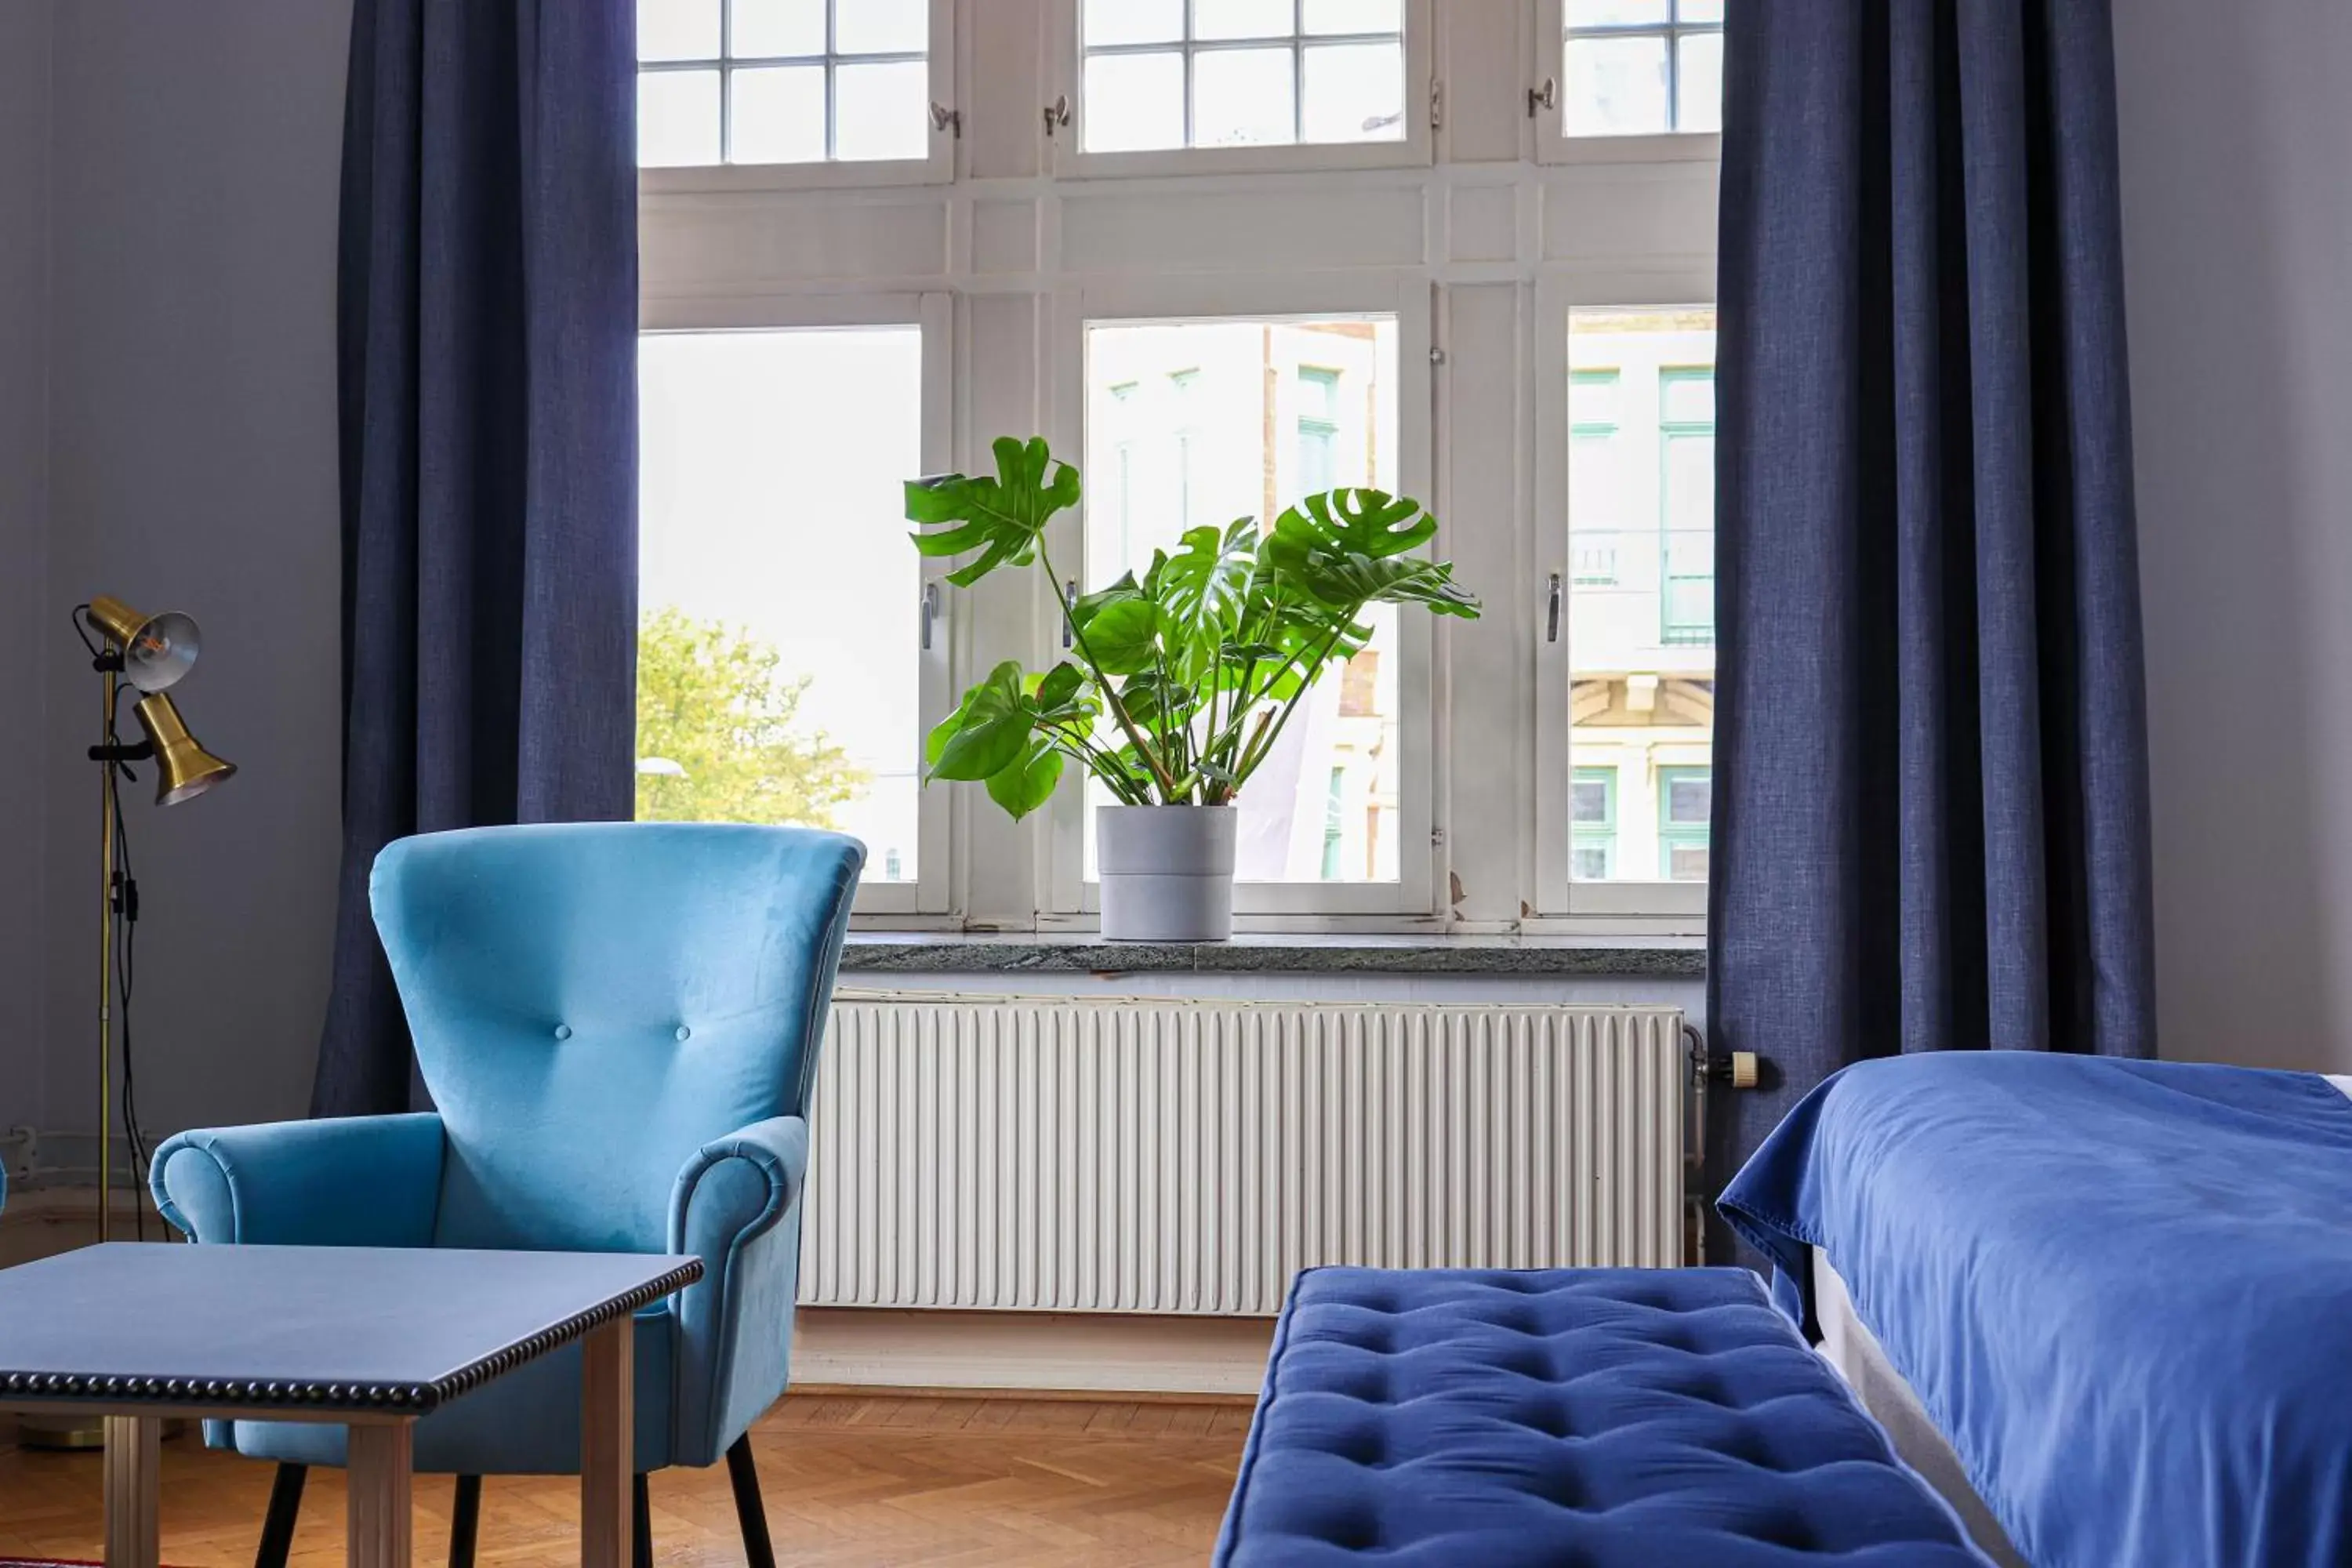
2105	1305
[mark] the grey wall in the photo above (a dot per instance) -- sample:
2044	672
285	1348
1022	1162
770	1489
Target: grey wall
192	466
2237	141
167	202
27	629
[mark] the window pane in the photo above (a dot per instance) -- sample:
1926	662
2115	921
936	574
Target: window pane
767	691
777	29
677	118
1640	621
1240	19
1180	417
1615	87
1354	92
678	29
1615	12
779	115
1243	98
881	26
1355	16
1591	863
1687	398
1699	11
1589	799
1134	22
1698	83
1592	397
1689	798
882	111
1134	103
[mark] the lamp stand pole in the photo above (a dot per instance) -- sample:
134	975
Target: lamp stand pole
109	664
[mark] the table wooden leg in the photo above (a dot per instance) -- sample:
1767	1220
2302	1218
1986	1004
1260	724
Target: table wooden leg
134	1455
607	1444
379	1473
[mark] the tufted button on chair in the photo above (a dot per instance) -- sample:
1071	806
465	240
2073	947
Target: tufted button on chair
619	1023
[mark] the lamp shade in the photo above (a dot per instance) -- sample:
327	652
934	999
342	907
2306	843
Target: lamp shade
183	770
156	649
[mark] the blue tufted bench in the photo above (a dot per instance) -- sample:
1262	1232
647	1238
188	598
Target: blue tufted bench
1569	1418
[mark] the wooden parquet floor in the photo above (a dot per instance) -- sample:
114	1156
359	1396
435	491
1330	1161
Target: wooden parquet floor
941	1483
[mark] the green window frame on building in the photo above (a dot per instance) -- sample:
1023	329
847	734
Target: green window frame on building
1592	551
1592	817
1686	807
1318	429
1335	824
1687	490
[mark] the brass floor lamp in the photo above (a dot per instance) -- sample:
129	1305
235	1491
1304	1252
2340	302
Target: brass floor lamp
150	653
147	653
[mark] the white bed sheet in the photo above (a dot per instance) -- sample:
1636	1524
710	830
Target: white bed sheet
1848	1344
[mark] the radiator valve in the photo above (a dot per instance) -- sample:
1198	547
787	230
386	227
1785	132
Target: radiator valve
1737	1069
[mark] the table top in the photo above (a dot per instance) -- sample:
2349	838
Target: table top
382	1331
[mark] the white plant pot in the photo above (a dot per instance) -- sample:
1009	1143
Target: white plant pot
1167	872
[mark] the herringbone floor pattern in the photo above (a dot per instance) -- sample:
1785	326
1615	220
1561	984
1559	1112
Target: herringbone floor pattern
943	1483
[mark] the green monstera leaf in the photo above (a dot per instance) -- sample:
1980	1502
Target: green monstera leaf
1001	517
1119	627
1029	783
1349	547
1204	586
988	733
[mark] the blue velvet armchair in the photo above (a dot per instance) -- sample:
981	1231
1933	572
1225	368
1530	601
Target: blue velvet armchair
619	1023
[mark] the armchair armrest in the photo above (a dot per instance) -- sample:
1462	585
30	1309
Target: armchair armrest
736	1206
363	1181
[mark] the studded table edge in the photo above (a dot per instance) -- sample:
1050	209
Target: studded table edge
356	1399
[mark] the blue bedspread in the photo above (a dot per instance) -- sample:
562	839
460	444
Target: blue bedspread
2123	1289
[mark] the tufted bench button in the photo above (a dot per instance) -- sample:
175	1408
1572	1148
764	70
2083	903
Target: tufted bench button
562	1031
684	1033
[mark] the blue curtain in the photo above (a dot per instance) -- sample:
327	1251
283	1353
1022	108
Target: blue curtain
488	340
1931	826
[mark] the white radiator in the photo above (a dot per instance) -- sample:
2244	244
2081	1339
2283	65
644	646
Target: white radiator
1113	1155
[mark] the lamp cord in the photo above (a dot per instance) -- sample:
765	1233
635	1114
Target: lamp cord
124	901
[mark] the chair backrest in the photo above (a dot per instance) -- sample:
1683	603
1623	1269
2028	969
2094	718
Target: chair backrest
593	1001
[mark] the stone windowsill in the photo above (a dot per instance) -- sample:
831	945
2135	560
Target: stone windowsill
873	952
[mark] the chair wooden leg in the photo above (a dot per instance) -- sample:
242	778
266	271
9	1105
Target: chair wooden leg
278	1524
465	1521
750	1512
641	1529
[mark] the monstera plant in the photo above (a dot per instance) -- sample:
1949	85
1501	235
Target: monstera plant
1179	683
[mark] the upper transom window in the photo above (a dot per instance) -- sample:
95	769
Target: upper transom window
783	82
1636	68
1242	73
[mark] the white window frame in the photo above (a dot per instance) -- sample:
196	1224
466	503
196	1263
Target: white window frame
936	168
1561	901
932	892
1070	901
1553	145
1416	149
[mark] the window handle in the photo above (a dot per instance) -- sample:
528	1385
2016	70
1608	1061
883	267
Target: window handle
1069	601
1551	613
1058	113
1544	97
930	612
